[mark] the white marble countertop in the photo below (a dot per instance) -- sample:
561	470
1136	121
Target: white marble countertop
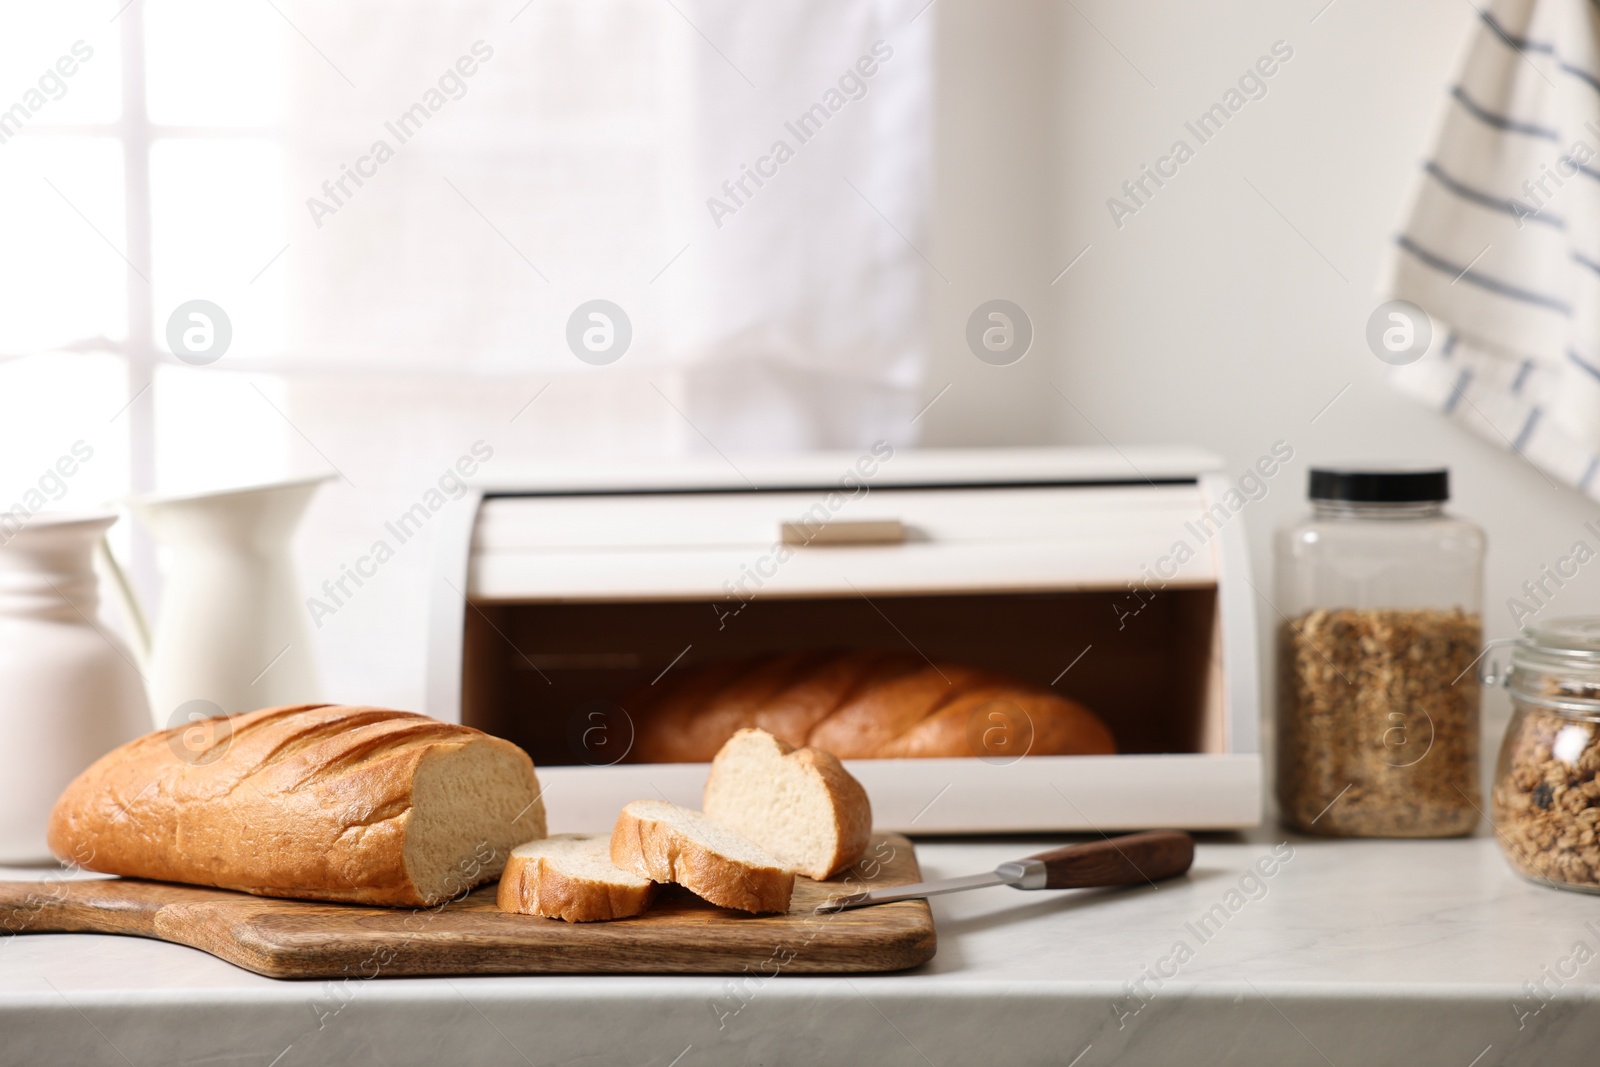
1351	952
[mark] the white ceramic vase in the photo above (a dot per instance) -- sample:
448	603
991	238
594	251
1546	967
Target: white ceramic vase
69	690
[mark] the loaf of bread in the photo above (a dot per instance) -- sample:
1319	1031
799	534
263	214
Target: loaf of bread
858	704
320	802
571	877
799	804
666	843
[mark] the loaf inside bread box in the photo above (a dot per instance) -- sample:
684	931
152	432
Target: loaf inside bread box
995	676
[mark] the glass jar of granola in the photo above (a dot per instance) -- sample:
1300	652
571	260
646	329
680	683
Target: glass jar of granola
1546	803
1378	592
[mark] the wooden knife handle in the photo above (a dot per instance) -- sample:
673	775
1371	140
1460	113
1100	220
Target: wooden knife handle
1131	859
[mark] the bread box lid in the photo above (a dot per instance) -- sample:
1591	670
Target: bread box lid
900	467
960	520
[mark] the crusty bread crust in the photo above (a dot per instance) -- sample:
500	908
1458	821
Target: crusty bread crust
795	711
654	849
672	706
849	810
877	716
1002	723
703	720
537	885
858	704
311	801
852	811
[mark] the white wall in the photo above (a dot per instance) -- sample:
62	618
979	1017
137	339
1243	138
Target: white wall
1207	318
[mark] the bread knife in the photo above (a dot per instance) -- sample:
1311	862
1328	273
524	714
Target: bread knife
1131	859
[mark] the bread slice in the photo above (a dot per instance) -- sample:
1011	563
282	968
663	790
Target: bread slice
801	805
571	877
666	843
320	802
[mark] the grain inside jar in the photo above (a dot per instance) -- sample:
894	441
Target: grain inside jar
1378	722
1547	797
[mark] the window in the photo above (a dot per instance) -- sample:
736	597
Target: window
400	207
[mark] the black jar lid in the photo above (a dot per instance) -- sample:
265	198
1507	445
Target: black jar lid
1381	485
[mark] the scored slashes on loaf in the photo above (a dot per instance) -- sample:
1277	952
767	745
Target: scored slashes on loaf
319	802
860	704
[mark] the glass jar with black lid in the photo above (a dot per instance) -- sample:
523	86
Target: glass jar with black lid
1546	803
1379	591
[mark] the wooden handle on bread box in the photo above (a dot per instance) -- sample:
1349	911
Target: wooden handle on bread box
1131	859
862	532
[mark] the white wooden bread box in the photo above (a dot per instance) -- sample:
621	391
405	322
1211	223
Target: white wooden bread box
559	590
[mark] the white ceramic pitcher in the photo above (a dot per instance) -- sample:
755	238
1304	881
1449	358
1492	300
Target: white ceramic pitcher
232	630
69	690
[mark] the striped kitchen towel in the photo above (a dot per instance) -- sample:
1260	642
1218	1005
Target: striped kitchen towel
1502	246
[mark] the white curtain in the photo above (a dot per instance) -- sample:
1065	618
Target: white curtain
534	156
584	157
580	162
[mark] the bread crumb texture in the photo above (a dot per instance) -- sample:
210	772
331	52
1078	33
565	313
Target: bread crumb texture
571	877
668	843
800	805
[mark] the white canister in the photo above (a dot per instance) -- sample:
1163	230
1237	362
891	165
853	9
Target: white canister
69	690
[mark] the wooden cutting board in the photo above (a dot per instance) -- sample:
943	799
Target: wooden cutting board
680	934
